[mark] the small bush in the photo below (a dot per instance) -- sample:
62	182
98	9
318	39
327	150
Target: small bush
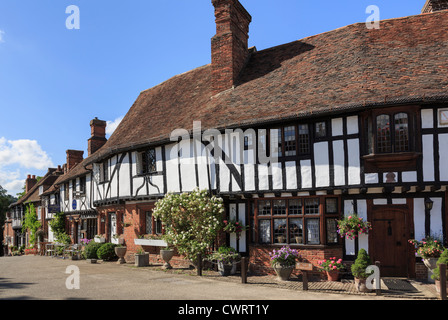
443	259
107	251
90	252
361	264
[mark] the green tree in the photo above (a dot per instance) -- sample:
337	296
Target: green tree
5	201
31	223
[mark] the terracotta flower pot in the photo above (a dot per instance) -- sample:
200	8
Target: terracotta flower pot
333	275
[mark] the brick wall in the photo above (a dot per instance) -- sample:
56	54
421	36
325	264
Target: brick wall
260	259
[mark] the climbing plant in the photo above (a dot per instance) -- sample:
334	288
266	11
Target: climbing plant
31	223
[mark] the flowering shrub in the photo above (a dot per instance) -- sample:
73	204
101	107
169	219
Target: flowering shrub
285	256
191	221
331	265
428	248
234	226
85	241
352	226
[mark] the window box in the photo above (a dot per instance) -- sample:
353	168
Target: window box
150	242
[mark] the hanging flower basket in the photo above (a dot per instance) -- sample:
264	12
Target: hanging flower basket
234	226
352	226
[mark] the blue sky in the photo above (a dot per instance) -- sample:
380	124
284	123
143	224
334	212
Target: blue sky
54	80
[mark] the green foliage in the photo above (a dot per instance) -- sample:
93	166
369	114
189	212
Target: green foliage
106	251
443	259
90	251
58	227
361	263
30	223
5	201
191	220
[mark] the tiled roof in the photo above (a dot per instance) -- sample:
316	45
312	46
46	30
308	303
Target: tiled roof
350	68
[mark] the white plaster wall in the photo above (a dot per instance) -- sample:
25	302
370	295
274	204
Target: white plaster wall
339	163
428	158
321	161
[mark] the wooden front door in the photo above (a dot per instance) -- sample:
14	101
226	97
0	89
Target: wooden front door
388	240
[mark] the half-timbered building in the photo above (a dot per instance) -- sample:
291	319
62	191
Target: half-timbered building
293	138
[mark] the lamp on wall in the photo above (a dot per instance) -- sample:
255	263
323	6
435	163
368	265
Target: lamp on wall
428	204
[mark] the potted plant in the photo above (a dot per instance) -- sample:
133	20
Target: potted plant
226	258
352	226
99	238
331	268
359	270
283	261
436	272
118	239
141	258
429	249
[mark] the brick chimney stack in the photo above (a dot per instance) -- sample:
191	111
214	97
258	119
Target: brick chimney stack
30	182
435	5
98	138
230	50
74	157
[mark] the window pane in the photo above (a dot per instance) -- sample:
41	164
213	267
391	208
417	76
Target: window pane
276	142
279	230
295	231
279	207
290	141
383	142
312	231
312	206
304	139
295	206
264	231
401	132
331	205
332	233
264	208
321	130
148	229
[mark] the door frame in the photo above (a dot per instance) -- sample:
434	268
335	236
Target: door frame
408	210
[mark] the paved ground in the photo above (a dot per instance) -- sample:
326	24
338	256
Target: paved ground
46	278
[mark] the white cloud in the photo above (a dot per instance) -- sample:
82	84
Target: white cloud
17	155
112	125
25	153
1	36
